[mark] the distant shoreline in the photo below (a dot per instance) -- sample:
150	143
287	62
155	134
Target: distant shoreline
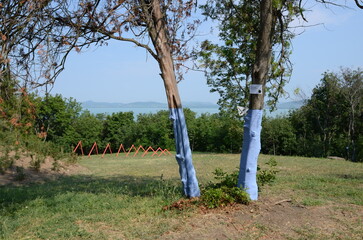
153	110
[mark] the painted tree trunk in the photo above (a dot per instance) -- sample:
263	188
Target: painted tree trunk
159	37
251	147
250	150
184	154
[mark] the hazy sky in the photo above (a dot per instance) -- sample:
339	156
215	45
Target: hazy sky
121	72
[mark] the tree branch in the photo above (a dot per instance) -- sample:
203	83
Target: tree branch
360	5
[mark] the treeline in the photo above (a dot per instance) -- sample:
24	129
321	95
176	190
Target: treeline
207	133
329	124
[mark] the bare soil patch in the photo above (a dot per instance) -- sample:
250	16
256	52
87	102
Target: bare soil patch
273	219
49	170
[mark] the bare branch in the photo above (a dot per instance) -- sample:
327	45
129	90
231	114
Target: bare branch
359	4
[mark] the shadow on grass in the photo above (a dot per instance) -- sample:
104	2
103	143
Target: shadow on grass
115	185
357	176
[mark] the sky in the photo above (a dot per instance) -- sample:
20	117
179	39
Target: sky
121	72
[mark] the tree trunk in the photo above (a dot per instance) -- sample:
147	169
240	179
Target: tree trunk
252	128
159	37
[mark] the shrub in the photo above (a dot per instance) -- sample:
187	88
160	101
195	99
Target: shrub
225	192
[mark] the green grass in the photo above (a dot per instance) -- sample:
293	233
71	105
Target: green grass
316	181
122	198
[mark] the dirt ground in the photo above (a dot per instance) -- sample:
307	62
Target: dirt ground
30	175
274	219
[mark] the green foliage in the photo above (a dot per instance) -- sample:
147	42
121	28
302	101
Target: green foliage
223	196
56	117
20	174
117	129
330	122
8	150
217	133
278	136
6	160
267	176
224	192
155	130
71	158
36	161
56	166
229	66
88	128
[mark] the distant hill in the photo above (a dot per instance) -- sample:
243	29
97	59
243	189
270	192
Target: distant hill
290	105
92	104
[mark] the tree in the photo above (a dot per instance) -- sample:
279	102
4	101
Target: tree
254	29
87	128
271	23
331	118
229	66
117	128
352	82
22	33
55	117
278	136
26	55
161	21
154	130
326	104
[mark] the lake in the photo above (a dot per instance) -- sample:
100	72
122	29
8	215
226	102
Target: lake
199	111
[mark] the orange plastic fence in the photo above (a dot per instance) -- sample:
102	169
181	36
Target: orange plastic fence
107	147
165	152
138	149
156	151
159	151
132	147
79	145
147	150
94	147
119	149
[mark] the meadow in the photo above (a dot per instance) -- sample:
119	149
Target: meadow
123	198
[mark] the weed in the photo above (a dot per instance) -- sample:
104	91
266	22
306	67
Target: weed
20	174
56	166
72	158
6	160
36	161
267	176
225	192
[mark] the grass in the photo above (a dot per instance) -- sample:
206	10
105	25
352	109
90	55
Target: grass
122	198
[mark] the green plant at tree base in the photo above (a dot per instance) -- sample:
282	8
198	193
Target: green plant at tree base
226	191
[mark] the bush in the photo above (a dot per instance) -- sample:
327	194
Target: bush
225	192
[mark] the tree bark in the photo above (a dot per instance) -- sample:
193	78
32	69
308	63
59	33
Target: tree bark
159	36
251	147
